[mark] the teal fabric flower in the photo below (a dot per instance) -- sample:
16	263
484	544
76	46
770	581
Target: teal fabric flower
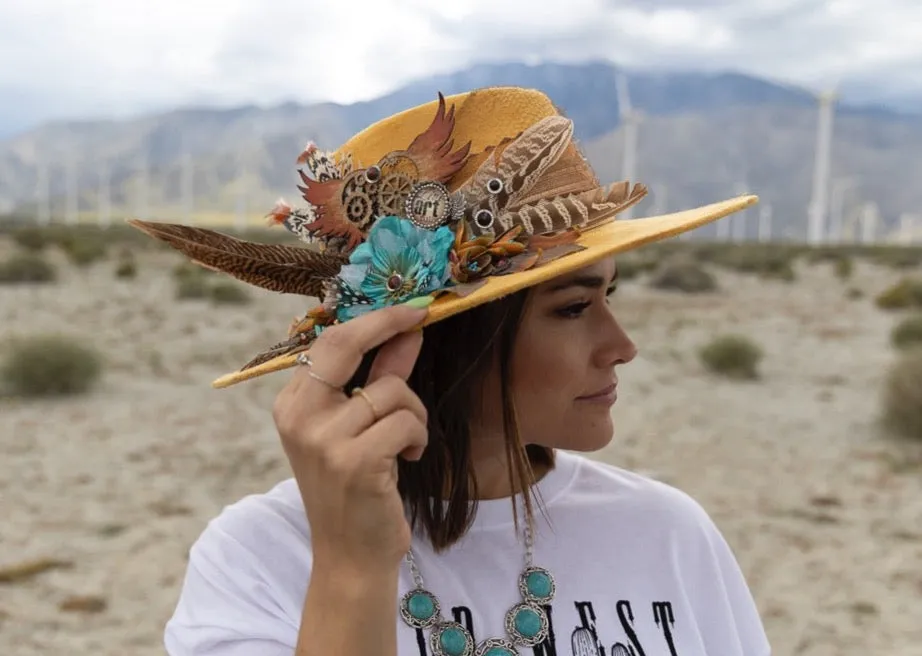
398	261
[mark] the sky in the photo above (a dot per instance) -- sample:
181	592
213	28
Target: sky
96	58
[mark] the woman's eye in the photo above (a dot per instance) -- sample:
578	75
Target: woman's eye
573	311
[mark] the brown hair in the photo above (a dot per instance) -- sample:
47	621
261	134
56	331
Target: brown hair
456	355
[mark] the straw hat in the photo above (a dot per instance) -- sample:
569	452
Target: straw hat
468	198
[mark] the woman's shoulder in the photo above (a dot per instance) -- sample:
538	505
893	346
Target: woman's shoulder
270	521
632	495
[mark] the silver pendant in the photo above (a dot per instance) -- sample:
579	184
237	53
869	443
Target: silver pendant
537	585
498	646
451	639
526	624
420	608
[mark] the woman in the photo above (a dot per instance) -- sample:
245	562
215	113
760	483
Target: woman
437	506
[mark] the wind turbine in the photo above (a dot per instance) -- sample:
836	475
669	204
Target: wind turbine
630	120
43	194
818	201
142	200
739	221
870	217
186	188
70	181
906	233
840	187
104	204
241	216
765	222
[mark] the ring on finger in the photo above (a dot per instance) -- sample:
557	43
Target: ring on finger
305	359
371	404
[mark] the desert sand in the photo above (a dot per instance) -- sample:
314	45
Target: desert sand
823	511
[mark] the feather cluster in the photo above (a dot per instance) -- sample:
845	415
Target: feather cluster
362	251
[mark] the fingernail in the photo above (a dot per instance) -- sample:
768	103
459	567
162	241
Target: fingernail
420	302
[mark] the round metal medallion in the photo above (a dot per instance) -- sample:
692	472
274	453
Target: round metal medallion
429	205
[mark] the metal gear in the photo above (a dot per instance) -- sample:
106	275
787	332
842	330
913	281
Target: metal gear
392	194
359	209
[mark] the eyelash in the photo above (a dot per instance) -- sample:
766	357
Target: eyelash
576	310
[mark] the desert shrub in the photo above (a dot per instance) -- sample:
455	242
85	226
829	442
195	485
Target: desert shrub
907	333
631	265
27	267
896	257
902	395
32	238
126	268
50	365
733	356
83	250
227	292
684	276
843	267
905	294
768	261
190	287
854	294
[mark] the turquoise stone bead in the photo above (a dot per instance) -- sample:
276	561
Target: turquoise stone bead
453	642
539	584
527	622
421	606
498	651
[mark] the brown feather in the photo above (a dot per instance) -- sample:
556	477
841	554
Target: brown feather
581	210
518	165
432	150
276	267
326	198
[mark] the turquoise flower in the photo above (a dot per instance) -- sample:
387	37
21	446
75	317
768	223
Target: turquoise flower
398	261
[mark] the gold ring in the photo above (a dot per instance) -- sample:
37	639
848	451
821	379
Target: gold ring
304	359
371	404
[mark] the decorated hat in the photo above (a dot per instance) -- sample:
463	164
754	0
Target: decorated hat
468	199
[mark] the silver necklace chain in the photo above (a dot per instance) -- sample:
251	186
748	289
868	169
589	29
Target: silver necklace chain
529	557
533	629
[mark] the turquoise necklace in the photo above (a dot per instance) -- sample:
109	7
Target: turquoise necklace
526	622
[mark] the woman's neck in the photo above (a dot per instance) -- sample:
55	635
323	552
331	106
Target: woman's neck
491	470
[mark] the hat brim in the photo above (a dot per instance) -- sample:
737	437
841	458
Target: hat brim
609	239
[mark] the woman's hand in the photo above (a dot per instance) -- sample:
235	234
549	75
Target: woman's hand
343	451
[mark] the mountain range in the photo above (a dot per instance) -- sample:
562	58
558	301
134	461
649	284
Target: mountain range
703	137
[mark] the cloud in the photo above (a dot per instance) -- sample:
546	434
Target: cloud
107	57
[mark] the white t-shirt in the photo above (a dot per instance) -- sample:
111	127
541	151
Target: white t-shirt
639	567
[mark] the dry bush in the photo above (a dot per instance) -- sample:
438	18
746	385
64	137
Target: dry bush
843	267
632	265
192	287
766	260
902	396
126	268
227	292
27	267
895	257
907	333
83	250
50	365
684	276
905	294
32	238
733	356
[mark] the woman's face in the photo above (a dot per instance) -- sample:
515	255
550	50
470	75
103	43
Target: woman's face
563	363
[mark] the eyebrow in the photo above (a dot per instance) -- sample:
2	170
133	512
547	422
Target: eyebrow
588	282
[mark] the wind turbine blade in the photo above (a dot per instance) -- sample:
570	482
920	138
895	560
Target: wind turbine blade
624	98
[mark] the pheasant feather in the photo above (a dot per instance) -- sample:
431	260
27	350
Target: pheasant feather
511	171
276	267
581	210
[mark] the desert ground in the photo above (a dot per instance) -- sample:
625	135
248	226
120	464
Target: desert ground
822	508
